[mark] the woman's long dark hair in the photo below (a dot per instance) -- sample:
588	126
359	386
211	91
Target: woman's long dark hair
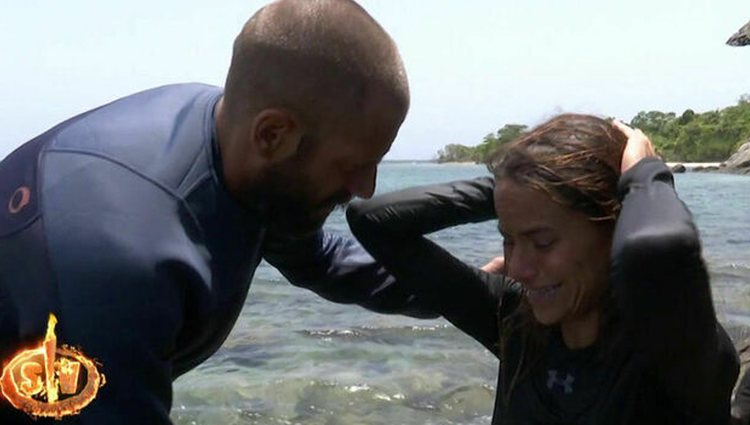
575	159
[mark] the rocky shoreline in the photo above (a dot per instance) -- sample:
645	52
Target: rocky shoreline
738	163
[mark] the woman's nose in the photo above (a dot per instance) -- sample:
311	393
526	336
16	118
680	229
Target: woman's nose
522	266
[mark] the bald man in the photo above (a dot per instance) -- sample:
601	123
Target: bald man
139	224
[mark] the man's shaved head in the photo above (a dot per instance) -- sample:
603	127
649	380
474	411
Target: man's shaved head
318	58
314	99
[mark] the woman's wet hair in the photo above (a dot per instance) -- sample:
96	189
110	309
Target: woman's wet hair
573	158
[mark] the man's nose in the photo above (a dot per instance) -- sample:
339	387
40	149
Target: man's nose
362	184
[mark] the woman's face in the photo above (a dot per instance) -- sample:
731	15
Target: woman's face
559	256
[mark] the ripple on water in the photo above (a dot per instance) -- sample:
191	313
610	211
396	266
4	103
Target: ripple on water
319	401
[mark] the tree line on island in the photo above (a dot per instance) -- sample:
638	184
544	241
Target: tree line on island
710	136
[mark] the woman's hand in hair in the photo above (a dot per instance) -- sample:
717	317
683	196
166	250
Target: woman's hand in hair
637	147
495	266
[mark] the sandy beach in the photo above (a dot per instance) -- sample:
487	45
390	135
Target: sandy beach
692	165
459	163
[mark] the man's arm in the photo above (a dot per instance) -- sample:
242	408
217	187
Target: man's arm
128	322
339	269
126	273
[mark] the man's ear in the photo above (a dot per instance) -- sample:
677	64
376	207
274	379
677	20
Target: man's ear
275	134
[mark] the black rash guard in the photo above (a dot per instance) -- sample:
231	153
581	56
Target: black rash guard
665	360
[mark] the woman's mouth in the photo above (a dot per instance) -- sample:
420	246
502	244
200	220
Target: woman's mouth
542	294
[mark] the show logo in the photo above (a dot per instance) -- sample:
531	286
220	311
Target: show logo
51	380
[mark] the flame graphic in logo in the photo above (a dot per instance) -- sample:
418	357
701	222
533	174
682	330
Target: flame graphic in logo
51	381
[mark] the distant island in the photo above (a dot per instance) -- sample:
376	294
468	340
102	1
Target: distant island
710	136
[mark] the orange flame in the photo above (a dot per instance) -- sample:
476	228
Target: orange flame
22	385
50	351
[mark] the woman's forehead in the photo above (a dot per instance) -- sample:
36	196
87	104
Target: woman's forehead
512	196
522	209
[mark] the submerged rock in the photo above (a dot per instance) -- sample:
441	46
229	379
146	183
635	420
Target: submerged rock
743	351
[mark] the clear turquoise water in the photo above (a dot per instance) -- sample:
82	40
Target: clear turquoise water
295	359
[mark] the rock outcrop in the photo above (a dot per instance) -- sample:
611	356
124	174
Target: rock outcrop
739	162
741	37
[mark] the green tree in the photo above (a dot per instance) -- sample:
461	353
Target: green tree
455	153
708	136
687	116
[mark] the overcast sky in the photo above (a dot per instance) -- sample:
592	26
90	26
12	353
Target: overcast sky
473	65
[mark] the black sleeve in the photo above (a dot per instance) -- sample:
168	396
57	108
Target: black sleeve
661	286
392	228
340	270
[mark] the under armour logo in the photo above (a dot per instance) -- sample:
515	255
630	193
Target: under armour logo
566	383
19	200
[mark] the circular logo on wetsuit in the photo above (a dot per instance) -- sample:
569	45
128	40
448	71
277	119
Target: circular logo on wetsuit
19	200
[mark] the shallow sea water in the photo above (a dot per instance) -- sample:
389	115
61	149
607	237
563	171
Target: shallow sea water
294	358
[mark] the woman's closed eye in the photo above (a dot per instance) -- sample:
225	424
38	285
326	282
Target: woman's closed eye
544	244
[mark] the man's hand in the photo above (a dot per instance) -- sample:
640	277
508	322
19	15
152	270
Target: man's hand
638	146
495	266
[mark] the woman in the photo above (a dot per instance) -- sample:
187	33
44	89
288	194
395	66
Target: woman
607	316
